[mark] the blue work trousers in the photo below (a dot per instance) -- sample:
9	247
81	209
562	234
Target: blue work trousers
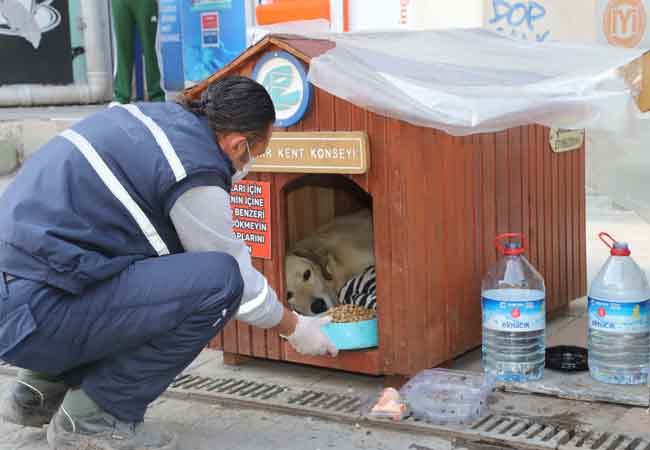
123	340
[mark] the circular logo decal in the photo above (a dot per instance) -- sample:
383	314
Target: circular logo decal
602	312
516	313
285	80
624	22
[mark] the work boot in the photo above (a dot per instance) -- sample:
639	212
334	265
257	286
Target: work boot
101	431
32	399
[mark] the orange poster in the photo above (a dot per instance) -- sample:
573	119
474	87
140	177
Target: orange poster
251	212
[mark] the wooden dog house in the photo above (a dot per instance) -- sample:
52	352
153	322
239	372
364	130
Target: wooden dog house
438	202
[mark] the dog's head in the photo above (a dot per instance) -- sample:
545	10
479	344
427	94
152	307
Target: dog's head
309	282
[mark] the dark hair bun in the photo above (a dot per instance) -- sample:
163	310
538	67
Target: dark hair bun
237	104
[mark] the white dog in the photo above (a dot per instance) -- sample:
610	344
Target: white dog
318	266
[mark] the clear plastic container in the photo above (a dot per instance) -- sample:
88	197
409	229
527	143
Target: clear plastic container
514	316
619	319
441	396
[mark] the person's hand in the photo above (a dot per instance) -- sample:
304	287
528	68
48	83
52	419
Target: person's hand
309	339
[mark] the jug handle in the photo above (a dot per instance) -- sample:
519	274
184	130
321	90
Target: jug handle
602	237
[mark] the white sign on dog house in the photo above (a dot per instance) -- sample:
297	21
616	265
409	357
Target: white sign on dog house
315	152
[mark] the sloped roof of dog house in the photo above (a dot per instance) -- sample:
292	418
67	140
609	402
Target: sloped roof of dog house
393	74
466	81
299	46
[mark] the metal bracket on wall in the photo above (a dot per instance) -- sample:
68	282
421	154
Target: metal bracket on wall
562	140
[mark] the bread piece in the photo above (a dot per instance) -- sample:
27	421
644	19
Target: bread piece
390	404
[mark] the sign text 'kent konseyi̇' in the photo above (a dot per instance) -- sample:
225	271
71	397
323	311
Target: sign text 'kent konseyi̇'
250	202
315	152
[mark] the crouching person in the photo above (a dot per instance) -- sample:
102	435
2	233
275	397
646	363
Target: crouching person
118	264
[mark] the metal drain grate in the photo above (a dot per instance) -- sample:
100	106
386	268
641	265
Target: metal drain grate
327	401
538	434
229	386
532	433
605	441
276	396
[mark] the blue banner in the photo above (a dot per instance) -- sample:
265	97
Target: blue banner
214	33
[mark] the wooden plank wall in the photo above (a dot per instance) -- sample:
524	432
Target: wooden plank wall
308	208
438	203
456	194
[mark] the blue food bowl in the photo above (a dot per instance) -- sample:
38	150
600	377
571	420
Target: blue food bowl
353	335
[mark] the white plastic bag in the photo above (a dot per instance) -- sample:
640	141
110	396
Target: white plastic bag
474	80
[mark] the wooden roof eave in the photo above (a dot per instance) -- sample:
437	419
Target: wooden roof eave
272	40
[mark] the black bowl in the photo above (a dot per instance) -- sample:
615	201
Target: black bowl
567	358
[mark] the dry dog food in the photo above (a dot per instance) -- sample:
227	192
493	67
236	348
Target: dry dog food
350	313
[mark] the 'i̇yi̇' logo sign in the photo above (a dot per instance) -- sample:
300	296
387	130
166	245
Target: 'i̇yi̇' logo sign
624	22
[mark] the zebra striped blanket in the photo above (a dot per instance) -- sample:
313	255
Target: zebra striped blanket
360	290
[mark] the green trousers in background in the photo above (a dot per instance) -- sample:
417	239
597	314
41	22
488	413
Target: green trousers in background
142	14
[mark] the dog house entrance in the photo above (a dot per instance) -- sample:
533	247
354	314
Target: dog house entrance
329	241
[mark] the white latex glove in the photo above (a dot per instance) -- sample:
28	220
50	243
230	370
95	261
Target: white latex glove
309	339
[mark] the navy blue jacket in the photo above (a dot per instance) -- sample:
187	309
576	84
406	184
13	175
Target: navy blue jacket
97	197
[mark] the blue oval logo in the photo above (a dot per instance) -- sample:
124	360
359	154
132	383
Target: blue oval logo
285	80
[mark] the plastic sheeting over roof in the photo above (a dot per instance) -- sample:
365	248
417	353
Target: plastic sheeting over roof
473	81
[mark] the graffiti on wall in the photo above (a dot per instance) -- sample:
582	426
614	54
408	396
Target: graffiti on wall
35	42
28	19
519	19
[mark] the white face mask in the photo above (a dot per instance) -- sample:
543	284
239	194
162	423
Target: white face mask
241	174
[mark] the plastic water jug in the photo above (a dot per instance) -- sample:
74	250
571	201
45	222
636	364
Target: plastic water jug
619	319
514	315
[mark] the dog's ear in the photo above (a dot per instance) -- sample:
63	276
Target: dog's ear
321	259
330	265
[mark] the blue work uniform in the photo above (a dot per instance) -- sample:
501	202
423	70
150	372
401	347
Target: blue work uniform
94	285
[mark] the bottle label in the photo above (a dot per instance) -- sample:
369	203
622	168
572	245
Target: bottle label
514	316
617	317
